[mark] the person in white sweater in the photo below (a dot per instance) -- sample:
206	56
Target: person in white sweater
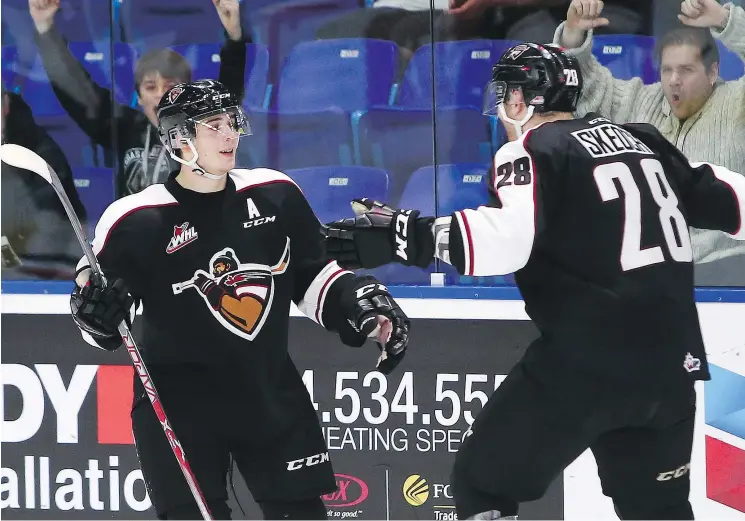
691	106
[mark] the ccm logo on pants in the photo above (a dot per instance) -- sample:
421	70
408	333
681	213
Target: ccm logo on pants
308	462
671	474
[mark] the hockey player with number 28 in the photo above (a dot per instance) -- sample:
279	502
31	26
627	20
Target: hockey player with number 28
593	219
216	255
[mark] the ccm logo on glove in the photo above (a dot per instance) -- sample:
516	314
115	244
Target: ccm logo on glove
402	234
308	462
364	290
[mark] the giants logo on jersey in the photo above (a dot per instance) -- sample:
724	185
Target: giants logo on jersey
183	234
238	295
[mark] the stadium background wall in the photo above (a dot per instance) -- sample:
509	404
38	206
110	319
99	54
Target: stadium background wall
67	449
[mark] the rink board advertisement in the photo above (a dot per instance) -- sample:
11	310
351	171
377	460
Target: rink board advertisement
67	450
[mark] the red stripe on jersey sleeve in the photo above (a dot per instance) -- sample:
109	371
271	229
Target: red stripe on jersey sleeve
737	200
322	293
469	243
535	184
273	181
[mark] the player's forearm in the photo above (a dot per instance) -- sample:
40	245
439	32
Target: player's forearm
478	243
233	66
320	289
570	38
87	103
732	30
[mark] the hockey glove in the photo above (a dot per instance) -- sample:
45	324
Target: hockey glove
379	235
98	309
372	312
210	289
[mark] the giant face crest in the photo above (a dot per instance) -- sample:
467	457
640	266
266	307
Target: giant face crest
238	295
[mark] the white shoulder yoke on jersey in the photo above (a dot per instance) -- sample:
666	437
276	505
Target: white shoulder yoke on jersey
152	196
249	178
736	183
498	241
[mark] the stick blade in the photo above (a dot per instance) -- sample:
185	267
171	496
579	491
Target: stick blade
21	157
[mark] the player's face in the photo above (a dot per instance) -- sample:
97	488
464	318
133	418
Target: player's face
219	268
151	89
515	108
686	82
216	142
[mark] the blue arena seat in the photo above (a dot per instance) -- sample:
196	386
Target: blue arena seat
38	92
205	62
77	20
400	140
125	58
150	24
461	71
96	189
9	66
348	74
204	59
627	56
458	186
283	25
96	59
329	189
297	140
731	66
77	146
87	20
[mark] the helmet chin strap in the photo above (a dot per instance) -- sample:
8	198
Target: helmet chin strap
517	124
194	166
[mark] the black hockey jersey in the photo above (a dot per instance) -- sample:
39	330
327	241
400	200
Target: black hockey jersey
593	219
216	272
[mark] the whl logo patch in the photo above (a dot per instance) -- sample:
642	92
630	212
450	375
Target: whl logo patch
182	235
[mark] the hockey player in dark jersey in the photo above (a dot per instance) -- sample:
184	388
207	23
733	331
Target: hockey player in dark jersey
593	219
216	255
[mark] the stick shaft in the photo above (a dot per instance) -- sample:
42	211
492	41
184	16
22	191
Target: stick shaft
134	354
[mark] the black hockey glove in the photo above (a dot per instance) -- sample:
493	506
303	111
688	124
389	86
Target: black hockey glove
210	289
379	235
98	309
364	302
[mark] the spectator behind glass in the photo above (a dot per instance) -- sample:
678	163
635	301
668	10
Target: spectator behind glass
141	159
38	241
691	106
530	20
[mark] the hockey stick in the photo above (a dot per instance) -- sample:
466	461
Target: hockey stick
179	287
21	157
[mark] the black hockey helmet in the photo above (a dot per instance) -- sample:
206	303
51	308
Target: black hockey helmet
185	104
227	260
549	78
